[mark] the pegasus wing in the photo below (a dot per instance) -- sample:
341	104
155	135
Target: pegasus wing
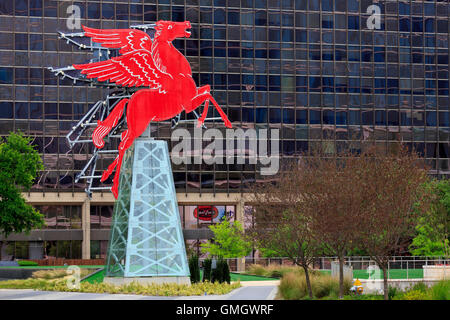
125	39
131	69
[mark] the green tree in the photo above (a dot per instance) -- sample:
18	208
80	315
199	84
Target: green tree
267	252
19	166
432	231
228	242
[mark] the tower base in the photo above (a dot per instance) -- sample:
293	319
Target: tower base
146	240
118	281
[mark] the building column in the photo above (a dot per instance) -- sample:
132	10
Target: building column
240	218
86	225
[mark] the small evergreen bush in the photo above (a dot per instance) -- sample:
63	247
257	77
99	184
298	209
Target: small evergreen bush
221	273
207	263
225	272
194	269
216	275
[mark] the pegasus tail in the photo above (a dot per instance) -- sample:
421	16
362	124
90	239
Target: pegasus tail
105	126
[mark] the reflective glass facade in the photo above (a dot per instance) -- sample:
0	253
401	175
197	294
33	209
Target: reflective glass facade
313	69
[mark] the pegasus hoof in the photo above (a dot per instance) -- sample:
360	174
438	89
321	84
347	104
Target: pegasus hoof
228	124
199	124
115	191
105	176
99	133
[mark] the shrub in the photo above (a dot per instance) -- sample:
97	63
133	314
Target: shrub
49	274
325	286
194	269
276	274
207	270
27	263
415	295
57	273
221	273
293	286
216	275
256	270
441	290
226	277
420	286
277	271
392	292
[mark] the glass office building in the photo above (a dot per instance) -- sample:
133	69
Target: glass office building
323	72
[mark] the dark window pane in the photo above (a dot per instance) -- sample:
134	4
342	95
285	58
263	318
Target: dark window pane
6	75
107	10
261	115
219	16
122	11
6	7
21	41
6	110
93	10
301	116
21	7
353	22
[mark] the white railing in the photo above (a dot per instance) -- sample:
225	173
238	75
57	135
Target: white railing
399	267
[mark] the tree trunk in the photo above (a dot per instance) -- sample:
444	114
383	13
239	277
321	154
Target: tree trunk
385	283
308	281
2	242
1	247
341	276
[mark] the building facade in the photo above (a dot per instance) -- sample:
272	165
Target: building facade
323	72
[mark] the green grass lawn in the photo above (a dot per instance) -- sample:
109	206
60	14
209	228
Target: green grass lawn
96	278
246	277
393	274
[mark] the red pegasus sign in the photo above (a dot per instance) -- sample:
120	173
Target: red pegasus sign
158	67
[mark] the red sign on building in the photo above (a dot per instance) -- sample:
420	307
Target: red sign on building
206	213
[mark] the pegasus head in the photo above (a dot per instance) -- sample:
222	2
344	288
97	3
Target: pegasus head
169	30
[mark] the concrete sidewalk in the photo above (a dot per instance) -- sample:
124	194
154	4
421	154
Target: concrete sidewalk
260	283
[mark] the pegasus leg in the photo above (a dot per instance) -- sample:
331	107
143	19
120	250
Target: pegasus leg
137	121
201	120
105	126
219	109
199	99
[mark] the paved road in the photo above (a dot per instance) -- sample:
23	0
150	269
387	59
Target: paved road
260	292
